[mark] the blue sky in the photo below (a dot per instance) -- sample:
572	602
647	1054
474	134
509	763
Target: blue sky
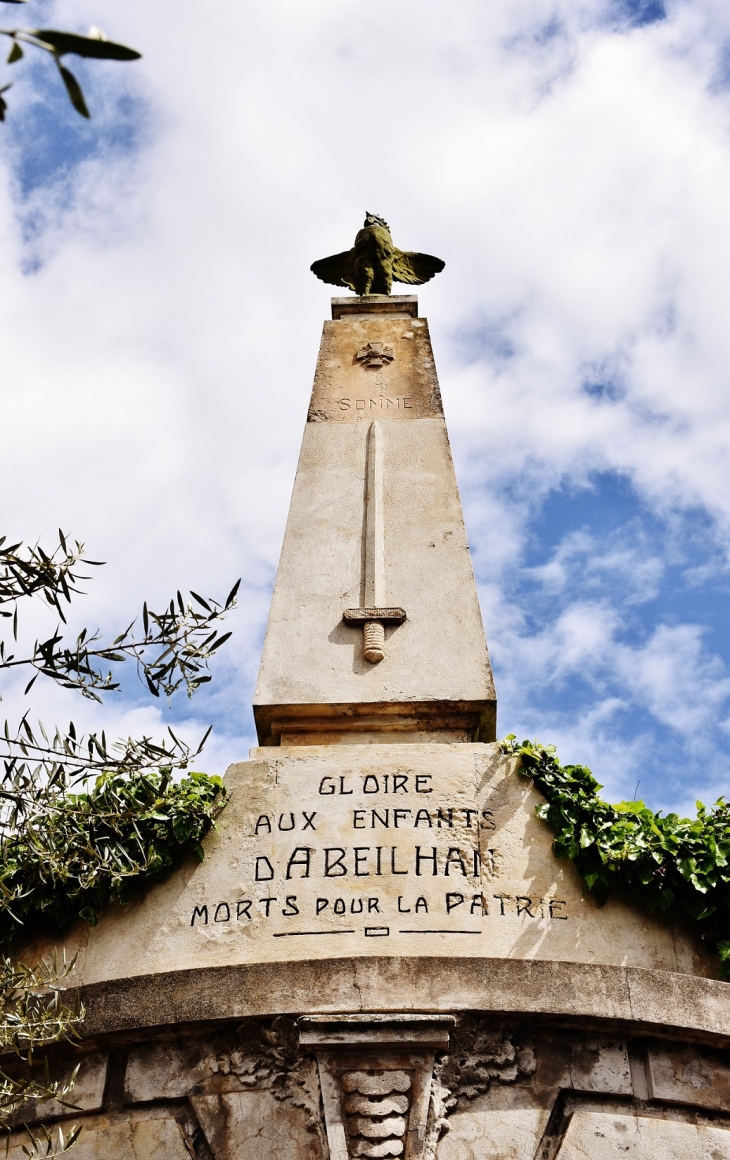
648	595
570	160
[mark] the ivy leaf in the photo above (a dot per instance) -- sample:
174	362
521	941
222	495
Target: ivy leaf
670	865
586	839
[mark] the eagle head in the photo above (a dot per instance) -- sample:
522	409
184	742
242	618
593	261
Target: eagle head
372	219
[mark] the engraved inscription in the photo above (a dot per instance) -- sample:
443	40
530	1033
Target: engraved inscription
375	853
380	368
369	403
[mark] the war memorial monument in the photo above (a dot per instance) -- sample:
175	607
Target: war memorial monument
380	955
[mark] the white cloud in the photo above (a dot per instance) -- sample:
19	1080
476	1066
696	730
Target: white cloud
156	368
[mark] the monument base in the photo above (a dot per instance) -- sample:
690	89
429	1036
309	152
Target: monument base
479	1082
381	956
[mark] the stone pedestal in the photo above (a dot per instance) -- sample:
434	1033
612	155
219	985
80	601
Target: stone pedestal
380	955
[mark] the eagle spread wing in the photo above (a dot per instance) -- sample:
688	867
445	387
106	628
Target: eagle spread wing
337	270
415	269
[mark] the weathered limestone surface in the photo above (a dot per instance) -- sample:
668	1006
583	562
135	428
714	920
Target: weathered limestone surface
688	1076
143	1138
253	1126
601	1136
588	993
494	1087
352	389
510	1133
88	1092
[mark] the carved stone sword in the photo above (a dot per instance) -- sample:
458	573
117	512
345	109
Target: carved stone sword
374	615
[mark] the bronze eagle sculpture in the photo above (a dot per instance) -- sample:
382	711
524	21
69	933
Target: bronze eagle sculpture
374	263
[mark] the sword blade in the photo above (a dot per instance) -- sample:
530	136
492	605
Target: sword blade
374	586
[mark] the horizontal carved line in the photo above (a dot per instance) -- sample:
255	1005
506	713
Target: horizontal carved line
293	933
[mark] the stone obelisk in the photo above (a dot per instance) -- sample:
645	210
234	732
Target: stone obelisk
375	633
380	955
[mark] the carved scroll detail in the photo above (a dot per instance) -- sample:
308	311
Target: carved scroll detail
377	1104
375	1075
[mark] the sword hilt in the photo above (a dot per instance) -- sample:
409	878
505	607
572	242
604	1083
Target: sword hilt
373	621
373	641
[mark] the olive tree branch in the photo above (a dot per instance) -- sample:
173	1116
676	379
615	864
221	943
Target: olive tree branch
174	649
58	44
38	768
31	571
34	1012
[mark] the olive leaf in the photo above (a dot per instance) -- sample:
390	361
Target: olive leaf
92	46
16	53
66	853
73	88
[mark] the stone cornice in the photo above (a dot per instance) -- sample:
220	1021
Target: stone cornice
651	1002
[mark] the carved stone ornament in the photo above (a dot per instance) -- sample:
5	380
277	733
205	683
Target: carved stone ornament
375	1073
375	355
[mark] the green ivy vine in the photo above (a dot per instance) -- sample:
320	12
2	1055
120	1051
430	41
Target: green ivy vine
669	865
73	853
